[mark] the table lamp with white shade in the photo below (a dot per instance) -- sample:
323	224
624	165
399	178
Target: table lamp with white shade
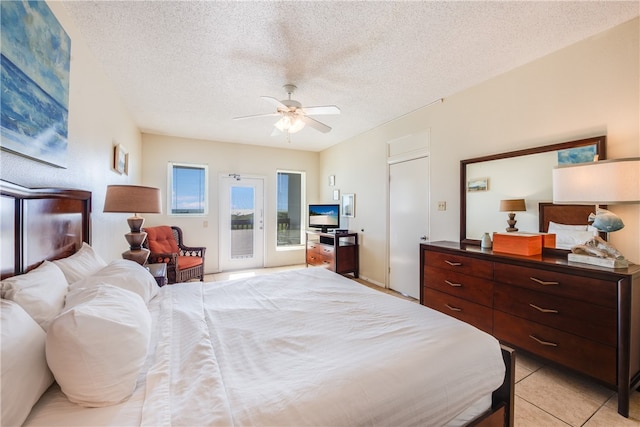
607	182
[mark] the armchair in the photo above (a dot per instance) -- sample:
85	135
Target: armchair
166	246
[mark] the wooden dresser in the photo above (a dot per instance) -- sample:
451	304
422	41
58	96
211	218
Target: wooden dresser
583	317
336	251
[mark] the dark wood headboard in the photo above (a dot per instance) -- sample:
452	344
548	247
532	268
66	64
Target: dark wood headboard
563	214
40	224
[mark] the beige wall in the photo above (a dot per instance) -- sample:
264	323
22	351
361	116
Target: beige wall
97	120
588	89
225	158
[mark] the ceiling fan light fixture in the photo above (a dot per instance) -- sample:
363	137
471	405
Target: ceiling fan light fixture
296	126
289	124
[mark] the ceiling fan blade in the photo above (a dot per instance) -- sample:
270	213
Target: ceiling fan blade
257	115
321	109
276	131
315	124
275	102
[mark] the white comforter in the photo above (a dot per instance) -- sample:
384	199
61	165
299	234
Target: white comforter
305	347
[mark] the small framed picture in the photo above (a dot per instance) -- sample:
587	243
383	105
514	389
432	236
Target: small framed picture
119	159
478	184
336	194
349	205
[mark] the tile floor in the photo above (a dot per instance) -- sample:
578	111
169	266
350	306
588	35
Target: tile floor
545	395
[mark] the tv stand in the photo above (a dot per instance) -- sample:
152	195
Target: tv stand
336	251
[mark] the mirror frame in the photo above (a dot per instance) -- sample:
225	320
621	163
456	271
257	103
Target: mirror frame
599	141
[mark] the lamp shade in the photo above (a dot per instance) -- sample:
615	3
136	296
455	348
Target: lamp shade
512	205
132	199
604	182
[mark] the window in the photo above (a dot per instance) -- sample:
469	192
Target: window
290	190
187	193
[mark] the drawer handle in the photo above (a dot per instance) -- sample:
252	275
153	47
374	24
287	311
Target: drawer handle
547	343
544	310
453	308
455	285
454	264
542	282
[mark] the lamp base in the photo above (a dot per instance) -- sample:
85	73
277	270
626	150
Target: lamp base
512	222
136	238
137	255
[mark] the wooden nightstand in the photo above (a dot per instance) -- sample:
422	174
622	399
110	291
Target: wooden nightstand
159	272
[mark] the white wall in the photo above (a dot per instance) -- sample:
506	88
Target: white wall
225	158
588	89
97	120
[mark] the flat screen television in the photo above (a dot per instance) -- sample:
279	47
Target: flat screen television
324	216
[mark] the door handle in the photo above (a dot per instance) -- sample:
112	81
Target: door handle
423	238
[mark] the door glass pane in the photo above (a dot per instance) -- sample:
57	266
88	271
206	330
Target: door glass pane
242	220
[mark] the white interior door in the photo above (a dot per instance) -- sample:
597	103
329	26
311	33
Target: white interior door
241	223
408	223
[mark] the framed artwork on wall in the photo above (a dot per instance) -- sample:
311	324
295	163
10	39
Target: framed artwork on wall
34	106
349	205
120	159
478	184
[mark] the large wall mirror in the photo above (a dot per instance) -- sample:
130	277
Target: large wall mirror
523	174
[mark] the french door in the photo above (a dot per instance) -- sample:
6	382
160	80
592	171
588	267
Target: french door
241	243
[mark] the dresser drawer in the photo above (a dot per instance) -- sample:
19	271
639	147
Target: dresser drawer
460	264
474	314
320	248
463	286
319	257
586	289
591	321
597	360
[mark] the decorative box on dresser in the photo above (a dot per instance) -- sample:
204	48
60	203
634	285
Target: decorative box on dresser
336	251
584	317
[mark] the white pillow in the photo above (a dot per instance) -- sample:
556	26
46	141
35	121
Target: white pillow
124	274
554	226
567	239
25	374
83	263
98	345
40	292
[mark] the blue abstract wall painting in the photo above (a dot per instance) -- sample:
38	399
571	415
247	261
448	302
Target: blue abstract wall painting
577	155
34	99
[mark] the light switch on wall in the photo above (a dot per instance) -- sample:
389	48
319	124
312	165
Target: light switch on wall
442	206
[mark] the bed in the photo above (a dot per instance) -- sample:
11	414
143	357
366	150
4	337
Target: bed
304	347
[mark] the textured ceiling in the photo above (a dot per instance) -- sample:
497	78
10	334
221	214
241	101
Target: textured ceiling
187	68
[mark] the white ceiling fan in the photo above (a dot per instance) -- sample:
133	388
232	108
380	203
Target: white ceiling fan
293	116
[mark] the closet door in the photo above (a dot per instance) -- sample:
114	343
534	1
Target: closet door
408	223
